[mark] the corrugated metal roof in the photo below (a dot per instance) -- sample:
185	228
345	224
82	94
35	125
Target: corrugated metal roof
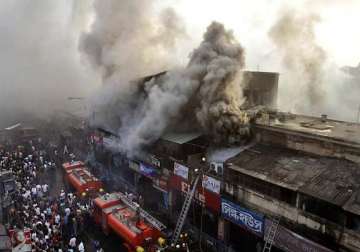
329	179
181	138
336	184
225	153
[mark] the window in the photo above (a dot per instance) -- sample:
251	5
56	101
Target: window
322	209
353	222
268	189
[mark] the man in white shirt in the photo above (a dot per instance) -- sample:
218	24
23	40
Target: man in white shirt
45	188
62	195
33	191
37	211
72	243
67	211
57	219
27	194
81	247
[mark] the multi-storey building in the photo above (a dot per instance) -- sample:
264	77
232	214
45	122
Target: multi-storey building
299	171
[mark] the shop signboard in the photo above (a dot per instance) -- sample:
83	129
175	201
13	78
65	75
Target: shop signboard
134	166
181	171
289	241
154	161
211	184
96	139
198	195
251	221
202	196
148	171
109	142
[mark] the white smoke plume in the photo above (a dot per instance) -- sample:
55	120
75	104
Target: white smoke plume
348	93
145	110
293	34
128	40
39	64
352	71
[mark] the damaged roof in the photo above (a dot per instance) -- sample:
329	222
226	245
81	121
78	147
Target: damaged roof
181	138
222	154
280	166
336	184
336	181
315	126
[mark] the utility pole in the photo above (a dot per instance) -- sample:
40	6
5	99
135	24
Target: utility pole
358	115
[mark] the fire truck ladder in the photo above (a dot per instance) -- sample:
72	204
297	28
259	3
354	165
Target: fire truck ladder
153	221
184	210
270	236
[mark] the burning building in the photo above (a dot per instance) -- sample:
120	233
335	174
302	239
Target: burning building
268	178
296	172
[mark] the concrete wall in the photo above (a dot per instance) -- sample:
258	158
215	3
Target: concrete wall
348	239
309	144
261	88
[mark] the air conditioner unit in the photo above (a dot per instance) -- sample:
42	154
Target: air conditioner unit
218	168
213	166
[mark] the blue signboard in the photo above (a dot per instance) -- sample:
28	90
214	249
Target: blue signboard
242	217
147	170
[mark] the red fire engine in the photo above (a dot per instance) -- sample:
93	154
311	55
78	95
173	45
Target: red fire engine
72	165
115	211
139	229
119	213
83	181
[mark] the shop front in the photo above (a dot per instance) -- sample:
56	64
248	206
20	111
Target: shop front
148	174
288	241
244	228
205	210
161	185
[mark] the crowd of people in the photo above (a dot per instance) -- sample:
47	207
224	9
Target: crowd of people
51	219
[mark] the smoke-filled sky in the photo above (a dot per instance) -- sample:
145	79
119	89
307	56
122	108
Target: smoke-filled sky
41	64
39	61
251	20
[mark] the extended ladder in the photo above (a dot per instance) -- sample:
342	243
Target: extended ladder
134	206
270	236
184	210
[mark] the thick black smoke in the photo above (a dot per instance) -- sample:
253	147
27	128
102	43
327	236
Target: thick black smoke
219	61
145	110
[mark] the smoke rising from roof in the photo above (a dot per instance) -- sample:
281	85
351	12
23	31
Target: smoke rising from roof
219	61
128	40
293	34
146	110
